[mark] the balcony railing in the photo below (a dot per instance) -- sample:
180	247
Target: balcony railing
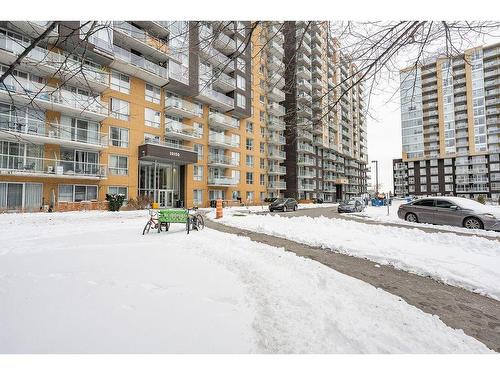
61	96
223	140
141	35
216	97
20	165
280	185
222	181
218	119
180	107
223	160
277	169
140	62
51	131
176	128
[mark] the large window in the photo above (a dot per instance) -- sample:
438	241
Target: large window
120	109
120	82
249	178
119	190
198	172
12	194
152	118
118	137
197	197
153	93
240	82
77	193
118	165
241	101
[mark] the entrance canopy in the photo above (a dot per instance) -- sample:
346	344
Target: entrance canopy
166	153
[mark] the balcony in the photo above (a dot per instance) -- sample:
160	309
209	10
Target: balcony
217	59
306	186
317	72
305	147
36	28
318	84
304	173
304	111
215	98
276	154
43	62
40	132
223	141
304	47
277	80
137	66
304	97
177	130
303	72
275	109
140	40
276	185
224	122
275	64
307	161
222	181
276	170
53	99
276	95
224	43
215	160
180	107
303	59
316	49
41	167
224	82
304	85
276	139
276	49
304	135
275	123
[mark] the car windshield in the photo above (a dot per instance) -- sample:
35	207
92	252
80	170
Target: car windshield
279	201
351	202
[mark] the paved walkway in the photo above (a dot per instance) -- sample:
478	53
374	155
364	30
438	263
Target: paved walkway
476	315
331	212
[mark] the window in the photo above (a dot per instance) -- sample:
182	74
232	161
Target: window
77	193
197	197
448	161
262	116
198	173
240	82
262	179
250	196
240	64
250	178
119	109
152	117
249	127
448	170
118	165
425	203
261	99
119	190
198	128
120	82
434	179
434	171
262	163
199	149
262	147
249	160
444	204
249	144
262	132
153	93
118	137
241	101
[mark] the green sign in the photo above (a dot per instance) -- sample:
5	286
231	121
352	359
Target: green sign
173	216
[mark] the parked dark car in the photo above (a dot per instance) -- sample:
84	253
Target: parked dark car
352	205
283	204
461	212
318	200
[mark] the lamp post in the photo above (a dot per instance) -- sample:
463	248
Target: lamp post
376	177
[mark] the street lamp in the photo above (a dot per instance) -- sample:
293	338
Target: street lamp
376	177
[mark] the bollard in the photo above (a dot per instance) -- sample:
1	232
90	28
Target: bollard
155	205
218	209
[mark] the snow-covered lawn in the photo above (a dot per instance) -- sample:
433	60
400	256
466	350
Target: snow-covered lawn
91	283
265	207
379	214
469	262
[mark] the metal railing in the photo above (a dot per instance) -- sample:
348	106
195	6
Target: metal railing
140	62
12	164
222	181
222	159
223	139
35	127
182	104
219	118
177	127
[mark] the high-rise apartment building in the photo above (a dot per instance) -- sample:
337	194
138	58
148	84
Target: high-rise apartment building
184	112
450	111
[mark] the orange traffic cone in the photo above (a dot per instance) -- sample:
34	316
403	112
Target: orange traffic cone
218	209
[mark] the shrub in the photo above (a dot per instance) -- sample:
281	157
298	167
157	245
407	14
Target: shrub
142	202
115	201
481	199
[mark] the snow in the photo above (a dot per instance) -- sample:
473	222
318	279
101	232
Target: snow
89	282
265	207
379	214
472	263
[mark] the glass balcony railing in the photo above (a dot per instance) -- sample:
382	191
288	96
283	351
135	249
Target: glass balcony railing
141	35
223	160
222	181
178	128
20	165
51	131
140	62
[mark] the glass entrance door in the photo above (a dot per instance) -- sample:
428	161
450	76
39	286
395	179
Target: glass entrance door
166	198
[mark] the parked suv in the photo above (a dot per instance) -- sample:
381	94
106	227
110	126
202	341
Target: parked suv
283	204
352	205
461	212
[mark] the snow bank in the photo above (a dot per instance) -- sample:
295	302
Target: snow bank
469	262
91	283
380	214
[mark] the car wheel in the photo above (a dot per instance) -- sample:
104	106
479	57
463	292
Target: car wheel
412	218
284	208
473	223
270	210
295	208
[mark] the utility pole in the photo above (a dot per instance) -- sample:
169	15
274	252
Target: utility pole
376	177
